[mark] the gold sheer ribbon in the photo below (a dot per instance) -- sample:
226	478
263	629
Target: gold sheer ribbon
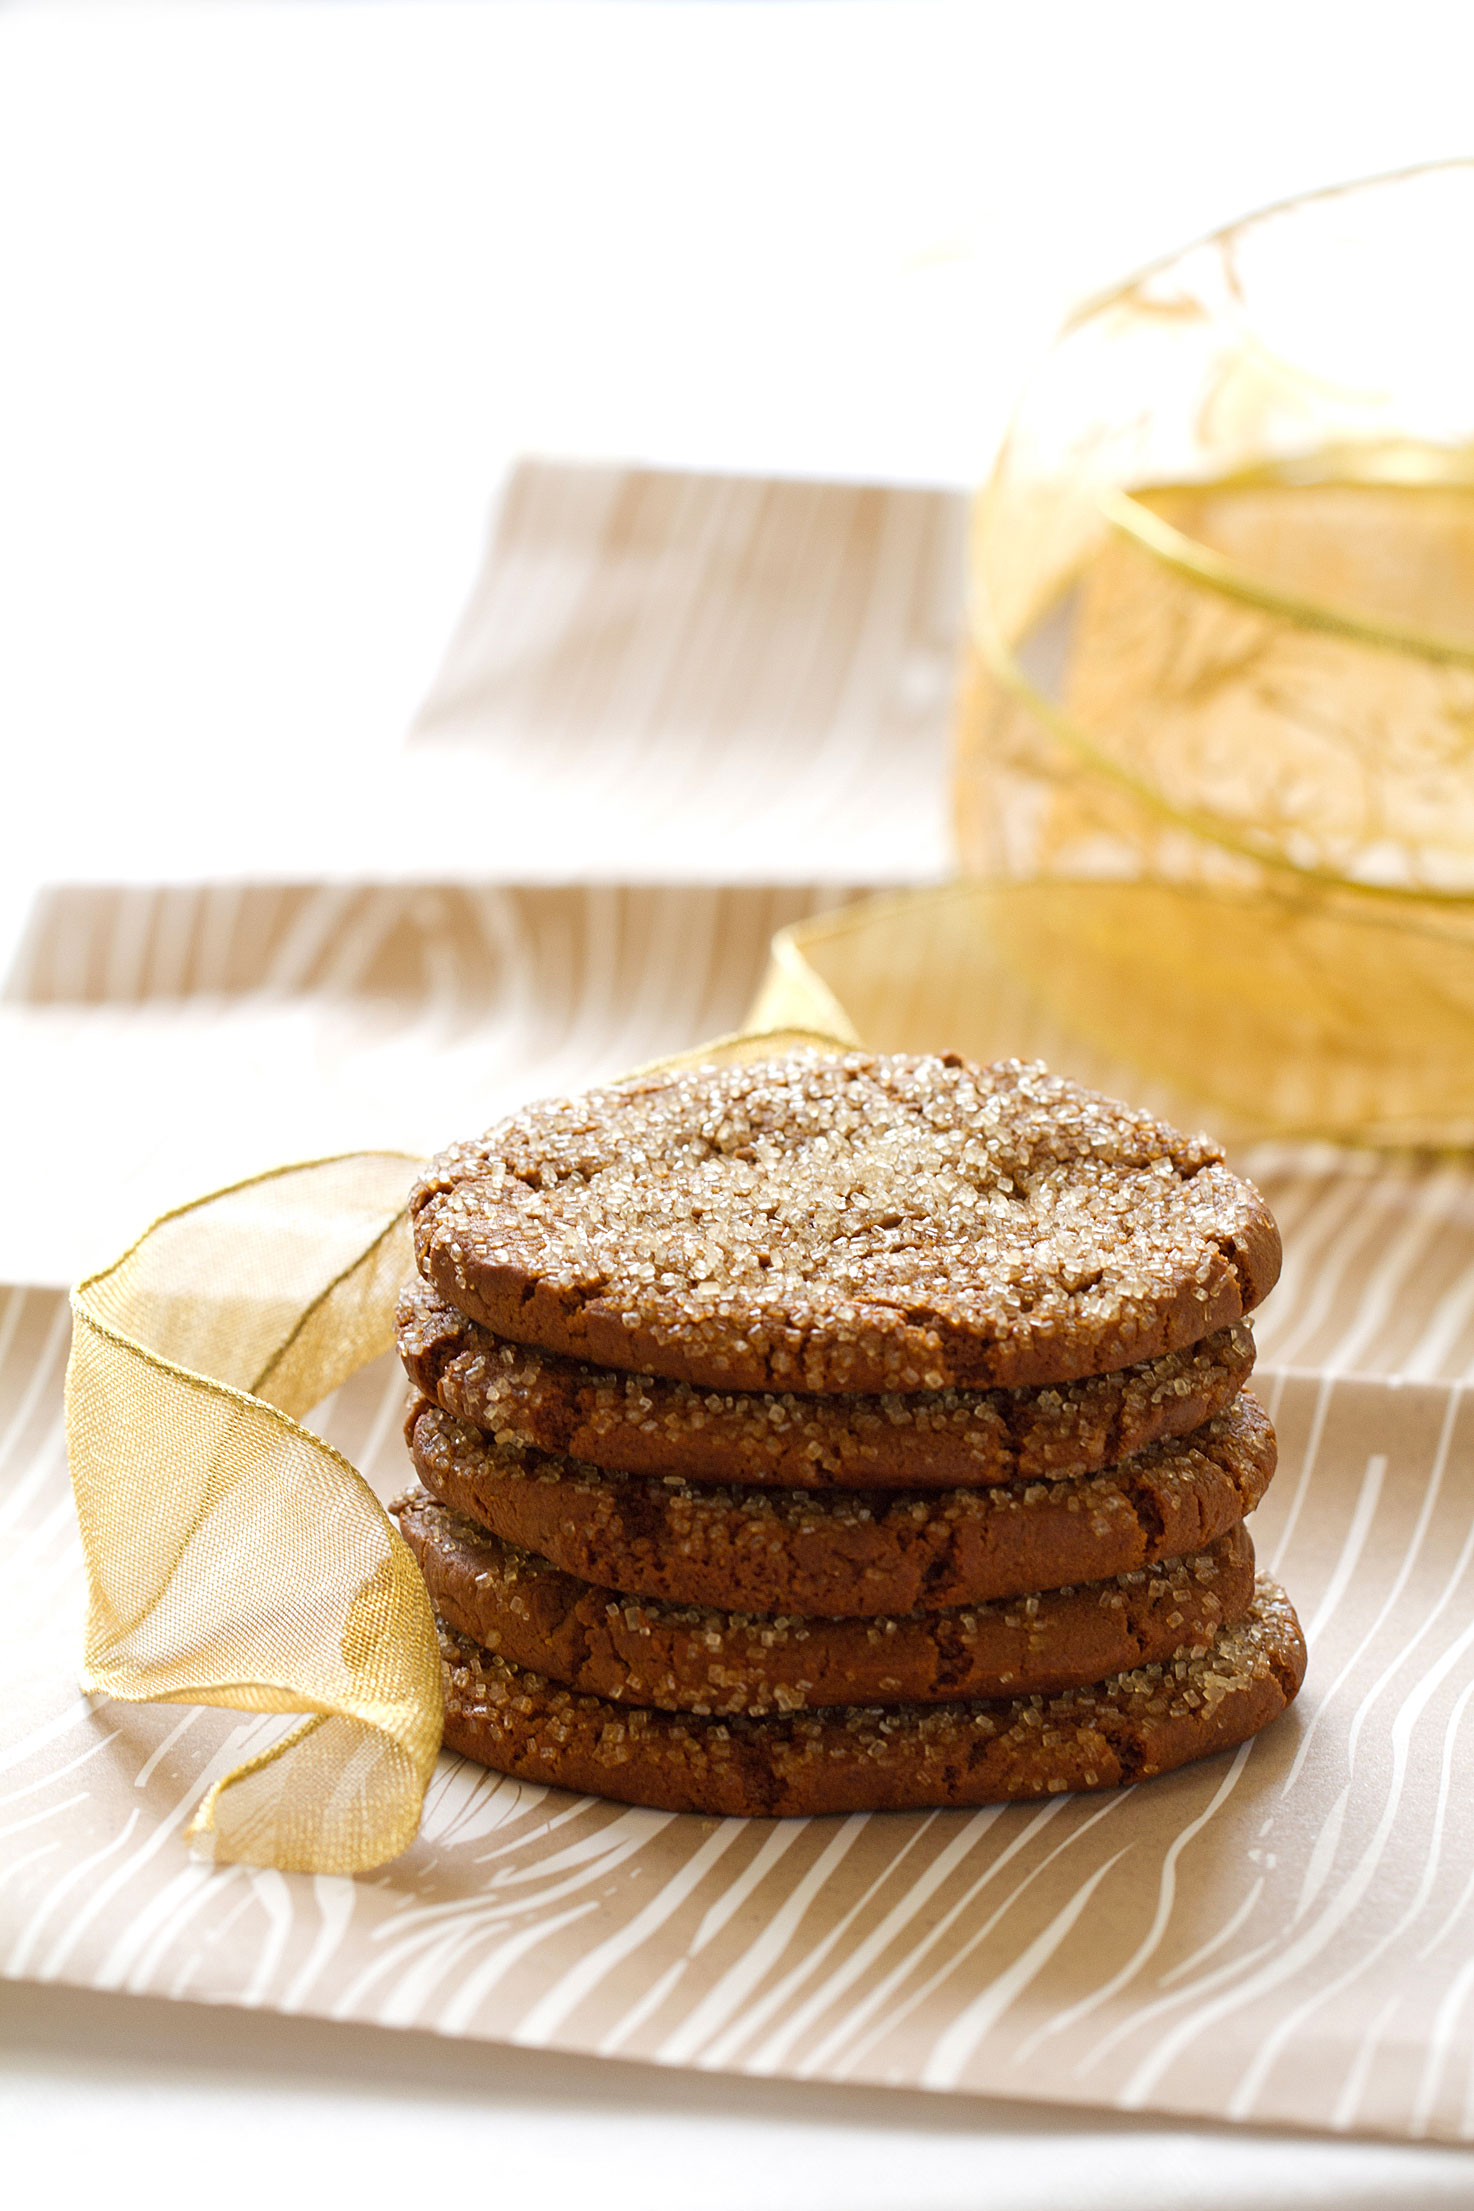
233	1557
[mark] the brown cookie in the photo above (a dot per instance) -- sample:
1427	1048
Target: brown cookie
868	1758
845	1222
924	1439
639	1651
842	1553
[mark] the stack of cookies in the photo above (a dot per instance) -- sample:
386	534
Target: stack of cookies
830	1432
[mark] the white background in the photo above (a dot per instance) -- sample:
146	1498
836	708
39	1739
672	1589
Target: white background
283	289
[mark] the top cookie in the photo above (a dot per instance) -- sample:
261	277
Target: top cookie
825	1222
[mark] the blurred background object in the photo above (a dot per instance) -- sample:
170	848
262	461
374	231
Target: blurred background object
1219	735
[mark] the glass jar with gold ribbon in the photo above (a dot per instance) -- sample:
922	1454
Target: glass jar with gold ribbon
1216	766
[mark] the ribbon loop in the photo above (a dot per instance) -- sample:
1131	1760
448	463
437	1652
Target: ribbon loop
233	1557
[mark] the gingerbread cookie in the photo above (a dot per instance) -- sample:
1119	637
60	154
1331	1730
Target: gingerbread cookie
841	1553
845	1222
639	1651
862	1758
922	1439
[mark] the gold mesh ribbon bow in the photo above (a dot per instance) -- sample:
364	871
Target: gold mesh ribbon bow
233	1557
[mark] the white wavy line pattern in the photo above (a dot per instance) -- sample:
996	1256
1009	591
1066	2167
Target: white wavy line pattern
1286	1936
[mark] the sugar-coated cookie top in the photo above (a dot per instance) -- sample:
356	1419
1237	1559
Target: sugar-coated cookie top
845	1222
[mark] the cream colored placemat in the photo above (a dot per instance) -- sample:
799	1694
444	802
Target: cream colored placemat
1281	1934
657	676
661	673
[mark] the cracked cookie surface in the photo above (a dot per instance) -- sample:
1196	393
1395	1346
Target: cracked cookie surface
845	1222
861	1758
846	1553
691	1659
